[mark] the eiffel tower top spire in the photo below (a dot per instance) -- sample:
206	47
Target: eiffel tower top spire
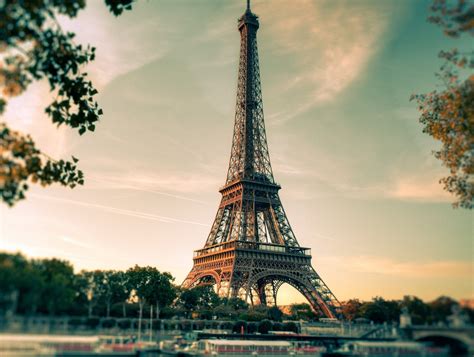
249	158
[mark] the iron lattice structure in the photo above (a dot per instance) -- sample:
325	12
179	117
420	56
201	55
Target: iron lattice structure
251	249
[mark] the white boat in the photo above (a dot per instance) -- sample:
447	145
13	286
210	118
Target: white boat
392	348
245	348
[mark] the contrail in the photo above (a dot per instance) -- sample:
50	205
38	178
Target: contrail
125	212
135	188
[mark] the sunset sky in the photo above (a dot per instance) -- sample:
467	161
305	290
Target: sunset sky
359	182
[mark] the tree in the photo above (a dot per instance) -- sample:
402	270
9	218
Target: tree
236	303
380	310
160	291
58	277
231	307
12	268
34	47
116	290
138	280
199	298
264	326
441	308
93	287
31	287
240	327
448	115
301	312
418	310
351	309
274	313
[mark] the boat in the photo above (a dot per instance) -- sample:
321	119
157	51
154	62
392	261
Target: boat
391	348
244	348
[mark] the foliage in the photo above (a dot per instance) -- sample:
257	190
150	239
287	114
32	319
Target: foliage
448	114
254	313
274	313
419	311
148	285
441	308
290	326
200	297
455	17
380	310
252	327
92	322
109	323
236	303
240	326
49	286
124	324
34	47
58	293
301	312
351	308
264	326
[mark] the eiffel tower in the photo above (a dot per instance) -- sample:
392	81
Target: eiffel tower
251	249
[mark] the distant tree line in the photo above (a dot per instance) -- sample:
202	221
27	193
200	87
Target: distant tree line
379	310
49	287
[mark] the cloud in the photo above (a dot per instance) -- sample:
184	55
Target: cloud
25	113
123	44
420	190
405	269
327	45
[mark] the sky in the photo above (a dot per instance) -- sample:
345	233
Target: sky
359	182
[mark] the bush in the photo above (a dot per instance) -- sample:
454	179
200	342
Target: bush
92	322
277	326
135	324
238	327
157	325
274	313
252	327
290	326
169	312
206	314
75	322
228	325
109	323
124	324
265	326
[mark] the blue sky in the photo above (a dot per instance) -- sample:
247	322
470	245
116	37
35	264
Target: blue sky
360	185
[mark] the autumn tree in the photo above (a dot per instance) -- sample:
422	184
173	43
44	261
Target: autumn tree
351	309
448	114
33	47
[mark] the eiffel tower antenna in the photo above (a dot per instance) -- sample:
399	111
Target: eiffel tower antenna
251	249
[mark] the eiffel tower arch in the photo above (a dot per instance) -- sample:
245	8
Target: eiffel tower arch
251	249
